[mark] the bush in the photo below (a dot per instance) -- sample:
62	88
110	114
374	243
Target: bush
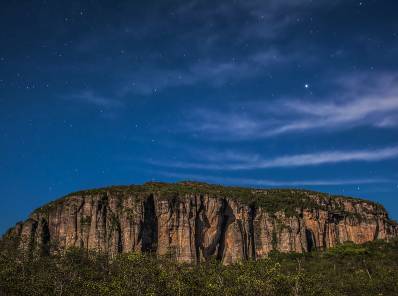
348	269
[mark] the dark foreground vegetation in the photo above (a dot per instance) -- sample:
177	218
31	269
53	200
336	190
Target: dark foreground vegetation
370	269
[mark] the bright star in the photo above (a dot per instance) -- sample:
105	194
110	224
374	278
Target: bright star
306	85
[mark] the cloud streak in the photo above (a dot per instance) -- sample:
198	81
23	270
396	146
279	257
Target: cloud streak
240	161
364	101
213	72
276	183
257	22
89	97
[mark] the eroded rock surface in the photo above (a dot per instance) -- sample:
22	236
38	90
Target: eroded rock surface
194	222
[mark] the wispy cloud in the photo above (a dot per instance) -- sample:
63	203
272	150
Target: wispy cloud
210	71
90	97
235	43
256	22
270	17
362	101
229	161
277	183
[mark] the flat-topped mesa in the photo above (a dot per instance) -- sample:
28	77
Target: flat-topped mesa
196	221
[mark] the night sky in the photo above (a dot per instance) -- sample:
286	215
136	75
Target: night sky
273	93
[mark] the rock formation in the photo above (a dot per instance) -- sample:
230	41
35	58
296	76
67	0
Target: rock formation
194	222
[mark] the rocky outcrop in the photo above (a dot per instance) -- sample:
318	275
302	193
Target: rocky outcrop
194	222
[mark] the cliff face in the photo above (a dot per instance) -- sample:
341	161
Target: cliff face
195	222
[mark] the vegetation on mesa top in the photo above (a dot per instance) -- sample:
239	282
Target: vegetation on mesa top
272	200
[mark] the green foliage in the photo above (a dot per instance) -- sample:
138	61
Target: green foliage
347	249
369	269
85	220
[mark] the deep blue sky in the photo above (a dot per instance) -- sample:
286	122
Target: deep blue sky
286	93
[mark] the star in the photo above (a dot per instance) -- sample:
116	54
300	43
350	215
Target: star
306	85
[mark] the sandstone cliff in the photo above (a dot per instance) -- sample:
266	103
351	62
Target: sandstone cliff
195	222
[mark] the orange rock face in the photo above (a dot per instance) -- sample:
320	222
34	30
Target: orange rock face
196	227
